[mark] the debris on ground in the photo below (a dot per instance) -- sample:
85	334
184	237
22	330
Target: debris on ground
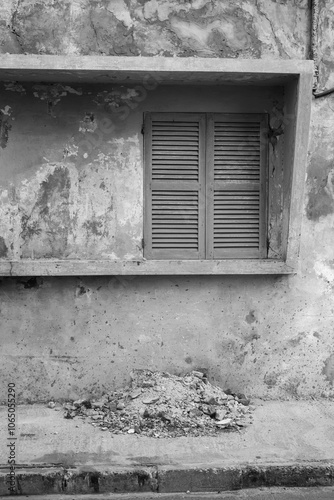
159	404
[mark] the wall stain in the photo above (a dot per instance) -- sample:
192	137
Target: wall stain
321	194
45	230
271	379
328	369
250	318
95	226
5	126
3	248
33	282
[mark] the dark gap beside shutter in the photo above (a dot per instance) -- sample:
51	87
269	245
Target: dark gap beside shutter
174	186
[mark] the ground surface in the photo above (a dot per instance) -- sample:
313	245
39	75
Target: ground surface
256	494
282	432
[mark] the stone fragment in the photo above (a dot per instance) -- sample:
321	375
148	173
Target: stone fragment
197	374
151	400
69	414
164	416
51	404
220	414
131	431
195	412
135	394
89	412
148	383
244	401
224	422
98	404
82	402
120	405
210	400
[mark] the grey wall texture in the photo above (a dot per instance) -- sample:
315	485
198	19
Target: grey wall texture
61	338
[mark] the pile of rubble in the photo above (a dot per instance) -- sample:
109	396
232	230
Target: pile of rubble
159	404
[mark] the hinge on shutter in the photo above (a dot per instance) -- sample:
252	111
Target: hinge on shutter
142	243
143	128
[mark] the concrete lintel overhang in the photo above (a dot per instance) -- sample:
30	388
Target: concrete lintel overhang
190	70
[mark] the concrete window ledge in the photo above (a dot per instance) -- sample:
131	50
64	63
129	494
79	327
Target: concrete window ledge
294	76
144	267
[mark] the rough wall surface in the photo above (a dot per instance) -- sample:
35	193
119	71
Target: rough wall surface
267	336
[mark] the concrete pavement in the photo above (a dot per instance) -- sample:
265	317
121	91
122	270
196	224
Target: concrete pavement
317	493
289	443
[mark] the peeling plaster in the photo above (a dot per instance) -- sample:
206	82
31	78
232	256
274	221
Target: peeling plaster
15	87
53	94
88	124
5	125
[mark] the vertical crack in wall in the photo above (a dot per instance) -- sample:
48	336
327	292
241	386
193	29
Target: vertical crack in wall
279	44
12	25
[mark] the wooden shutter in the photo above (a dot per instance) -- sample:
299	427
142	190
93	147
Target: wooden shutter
236	185
174	186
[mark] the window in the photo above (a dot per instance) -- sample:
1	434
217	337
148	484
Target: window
193	86
205	186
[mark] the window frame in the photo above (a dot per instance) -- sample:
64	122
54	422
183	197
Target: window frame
295	75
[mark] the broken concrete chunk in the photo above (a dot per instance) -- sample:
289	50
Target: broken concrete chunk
226	421
210	400
197	374
135	394
220	414
151	400
98	404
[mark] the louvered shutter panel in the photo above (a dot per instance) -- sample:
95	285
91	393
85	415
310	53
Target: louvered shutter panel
236	185
174	186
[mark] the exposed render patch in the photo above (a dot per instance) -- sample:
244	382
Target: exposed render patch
5	125
112	101
328	369
53	93
14	87
88	124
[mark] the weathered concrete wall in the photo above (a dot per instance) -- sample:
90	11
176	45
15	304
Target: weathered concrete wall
63	337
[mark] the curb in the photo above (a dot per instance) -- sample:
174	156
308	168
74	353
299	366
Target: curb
44	480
